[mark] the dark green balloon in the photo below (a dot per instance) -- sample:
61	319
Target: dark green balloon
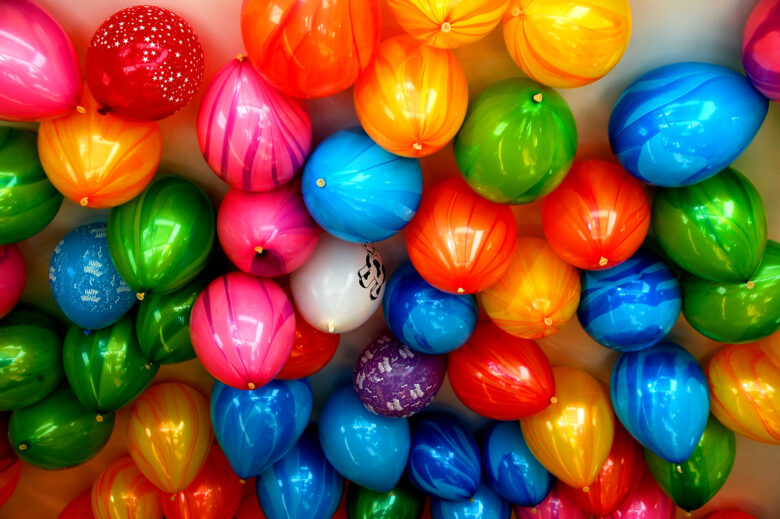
162	239
106	368
715	229
30	364
25	313
517	143
736	312
402	502
58	432
28	201
692	483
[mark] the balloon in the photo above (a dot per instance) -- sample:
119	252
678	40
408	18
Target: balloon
169	434
745	392
598	217
97	159
162	239
660	395
250	508
341	285
252	136
517	143
736	312
122	492
729	514
365	448
40	75
758	52
557	505
631	306
10	465
459	242
256	428
58	432
537	294
694	481
412	98
79	508
311	351
647	502
770	345
28	201
682	123
13	276
84	281
359	192
500	376
392	380
32	315
402	502
715	229
486	503
572	436
30	364
444	461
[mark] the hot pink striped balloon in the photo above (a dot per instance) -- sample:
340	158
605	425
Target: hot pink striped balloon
647	502
13	276
267	234
252	136
557	505
242	329
122	492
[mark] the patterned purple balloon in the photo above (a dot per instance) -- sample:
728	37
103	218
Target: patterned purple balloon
392	380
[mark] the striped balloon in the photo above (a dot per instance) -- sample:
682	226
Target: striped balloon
556	505
648	501
758	51
252	136
122	492
771	346
79	508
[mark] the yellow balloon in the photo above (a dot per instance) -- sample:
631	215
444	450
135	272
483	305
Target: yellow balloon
573	435
771	346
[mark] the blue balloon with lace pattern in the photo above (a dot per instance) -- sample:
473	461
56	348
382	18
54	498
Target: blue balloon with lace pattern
485	504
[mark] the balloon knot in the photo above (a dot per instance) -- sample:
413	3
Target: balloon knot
554	400
534	510
259	249
22	447
460	290
417	145
240	57
750	285
320	182
140	296
84	201
251	385
148	365
586	489
331	327
446	27
99	418
538	97
173	497
80	109
242	481
548	321
603	261
516	11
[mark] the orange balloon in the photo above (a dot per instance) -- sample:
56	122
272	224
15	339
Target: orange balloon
169	434
771	346
122	492
96	159
413	98
538	293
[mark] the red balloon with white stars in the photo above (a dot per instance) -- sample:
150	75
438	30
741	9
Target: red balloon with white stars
144	62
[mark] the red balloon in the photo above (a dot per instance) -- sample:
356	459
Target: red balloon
144	62
556	505
10	464
311	351
341	511
648	501
501	376
79	508
250	508
729	514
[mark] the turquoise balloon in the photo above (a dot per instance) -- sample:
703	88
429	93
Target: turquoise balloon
484	504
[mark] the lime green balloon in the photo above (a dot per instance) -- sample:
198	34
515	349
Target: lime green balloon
517	143
28	201
715	229
26	313
162	239
695	481
30	364
402	502
106	368
58	432
736	312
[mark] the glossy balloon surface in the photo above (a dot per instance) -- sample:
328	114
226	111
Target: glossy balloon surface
402	502
250	508
13	277
484	503
79	508
770	345
729	514
30	364
557	505
122	492
311	351
32	315
647	502
759	48
10	465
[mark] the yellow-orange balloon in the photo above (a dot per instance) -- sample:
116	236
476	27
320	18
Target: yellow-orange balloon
447	24
169	434
413	98
567	43
572	436
122	492
745	392
537	294
771	346
96	159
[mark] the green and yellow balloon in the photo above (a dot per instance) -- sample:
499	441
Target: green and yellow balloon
30	364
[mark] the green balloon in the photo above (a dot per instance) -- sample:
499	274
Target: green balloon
58	432
402	502
162	239
736	312
715	229
28	201
106	368
517	143
25	313
692	483
30	364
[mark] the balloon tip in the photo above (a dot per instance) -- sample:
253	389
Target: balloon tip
22	447
417	145
534	510
750	285
320	182
603	261
446	27
259	249
80	109
460	290
173	497
687	514
84	201
538	97
99	418
140	296
548	321
516	12
251	385
242	481
586	489
554	400
240	58
148	365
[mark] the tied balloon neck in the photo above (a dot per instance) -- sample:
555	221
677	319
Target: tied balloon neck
22	447
538	97
554	400
99	418
750	285
446	27
140	296
586	489
320	182
603	261
251	385
548	321
516	11
80	109
259	250
84	201
240	58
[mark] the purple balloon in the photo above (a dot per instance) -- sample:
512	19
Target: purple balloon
392	380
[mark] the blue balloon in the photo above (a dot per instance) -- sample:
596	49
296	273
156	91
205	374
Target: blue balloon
511	469
423	317
485	504
682	123
631	306
85	284
444	461
302	484
369	449
660	394
358	191
255	428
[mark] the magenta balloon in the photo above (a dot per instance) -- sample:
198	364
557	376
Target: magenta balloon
13	275
267	234
761	48
556	506
647	502
242	329
40	76
254	137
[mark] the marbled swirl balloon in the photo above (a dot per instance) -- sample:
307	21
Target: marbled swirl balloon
485	503
759	48
122	492
557	505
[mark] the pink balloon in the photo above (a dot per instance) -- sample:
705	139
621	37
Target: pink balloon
647	502
253	137
40	76
242	329
557	505
13	275
267	234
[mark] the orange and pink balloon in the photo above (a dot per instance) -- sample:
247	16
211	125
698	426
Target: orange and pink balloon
122	492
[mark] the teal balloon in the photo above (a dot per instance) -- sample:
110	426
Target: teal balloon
25	313
30	364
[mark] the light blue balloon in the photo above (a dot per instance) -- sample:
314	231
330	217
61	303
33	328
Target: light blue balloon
255	428
84	282
661	396
485	504
511	469
369	449
358	191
